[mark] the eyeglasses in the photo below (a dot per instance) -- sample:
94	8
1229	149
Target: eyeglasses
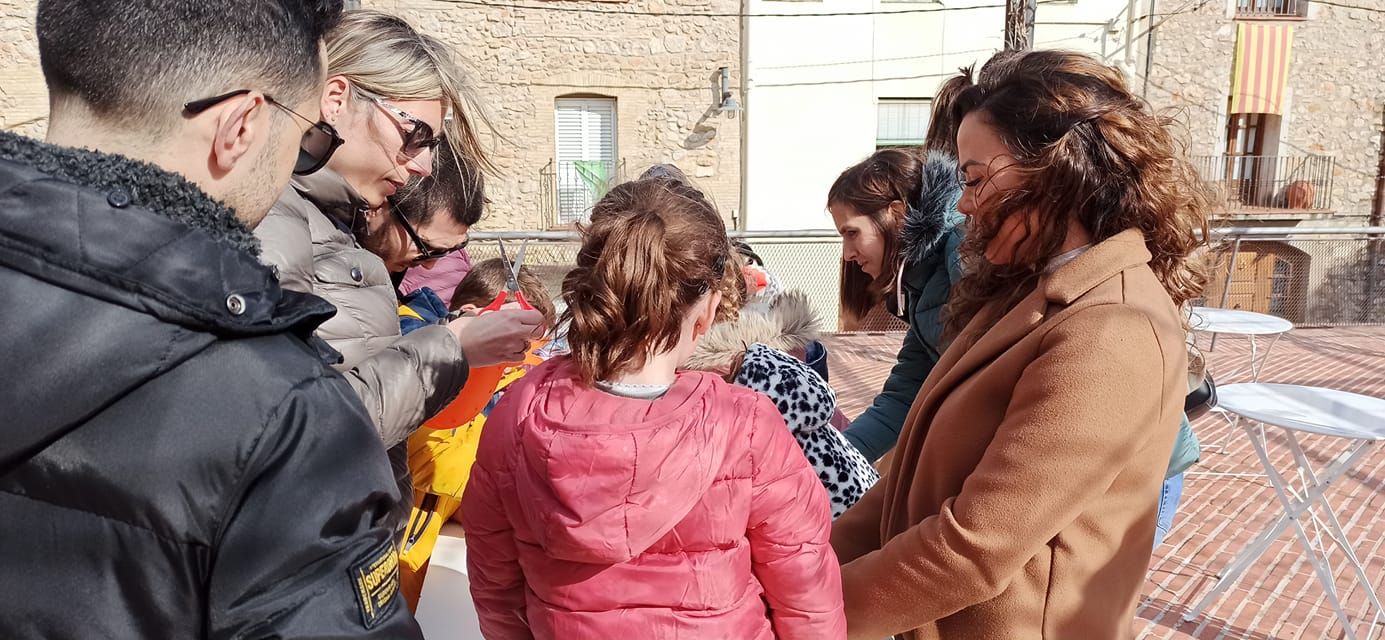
718	268
963	182
425	252
418	137
319	142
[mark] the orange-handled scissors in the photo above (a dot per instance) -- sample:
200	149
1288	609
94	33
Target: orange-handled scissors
511	280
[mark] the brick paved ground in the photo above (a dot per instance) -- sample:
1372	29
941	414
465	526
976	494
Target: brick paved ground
1278	598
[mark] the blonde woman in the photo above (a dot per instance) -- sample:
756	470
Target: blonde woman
393	98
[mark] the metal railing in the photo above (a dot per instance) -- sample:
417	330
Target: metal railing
1260	9
1313	276
1268	183
571	187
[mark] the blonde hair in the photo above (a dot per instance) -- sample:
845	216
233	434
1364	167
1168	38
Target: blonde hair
384	55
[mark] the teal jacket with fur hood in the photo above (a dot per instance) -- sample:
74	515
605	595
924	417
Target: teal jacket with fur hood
931	239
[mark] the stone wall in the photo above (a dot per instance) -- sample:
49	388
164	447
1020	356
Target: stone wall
1333	104
661	70
23	98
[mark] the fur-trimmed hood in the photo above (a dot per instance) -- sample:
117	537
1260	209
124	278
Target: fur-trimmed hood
158	190
116	273
789	325
934	213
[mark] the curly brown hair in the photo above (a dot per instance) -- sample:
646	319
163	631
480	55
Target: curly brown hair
1088	150
653	248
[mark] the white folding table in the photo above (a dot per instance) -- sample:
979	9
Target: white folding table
1253	326
1355	420
445	609
1250	324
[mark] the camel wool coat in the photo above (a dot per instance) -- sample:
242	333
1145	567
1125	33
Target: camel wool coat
1021	500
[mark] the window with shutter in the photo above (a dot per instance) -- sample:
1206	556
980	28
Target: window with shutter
902	122
585	157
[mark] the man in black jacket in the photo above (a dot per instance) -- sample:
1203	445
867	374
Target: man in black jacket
177	460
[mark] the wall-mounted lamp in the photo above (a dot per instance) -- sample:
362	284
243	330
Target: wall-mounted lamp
729	105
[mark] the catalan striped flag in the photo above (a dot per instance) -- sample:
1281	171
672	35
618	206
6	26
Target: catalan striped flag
1260	69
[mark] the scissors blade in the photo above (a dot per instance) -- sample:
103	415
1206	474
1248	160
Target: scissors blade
511	282
519	257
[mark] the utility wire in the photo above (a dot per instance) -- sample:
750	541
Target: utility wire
694	14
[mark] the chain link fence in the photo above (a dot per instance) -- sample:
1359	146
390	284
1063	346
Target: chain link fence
1309	276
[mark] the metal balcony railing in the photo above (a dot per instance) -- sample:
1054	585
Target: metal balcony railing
1268	183
571	187
1263	9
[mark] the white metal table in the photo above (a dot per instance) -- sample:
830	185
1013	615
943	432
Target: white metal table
1245	323
445	609
1357	420
1253	326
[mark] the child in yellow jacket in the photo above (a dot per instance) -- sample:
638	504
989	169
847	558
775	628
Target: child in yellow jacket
441	455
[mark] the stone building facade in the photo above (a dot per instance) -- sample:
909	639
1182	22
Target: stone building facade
1316	163
658	74
1333	105
636	89
23	98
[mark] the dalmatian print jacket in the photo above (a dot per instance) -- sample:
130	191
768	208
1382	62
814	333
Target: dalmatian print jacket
807	404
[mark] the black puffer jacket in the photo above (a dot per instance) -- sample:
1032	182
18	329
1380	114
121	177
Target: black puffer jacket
176	459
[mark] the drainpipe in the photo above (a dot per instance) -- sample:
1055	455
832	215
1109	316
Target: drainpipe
1149	48
1373	250
1378	210
740	221
1131	7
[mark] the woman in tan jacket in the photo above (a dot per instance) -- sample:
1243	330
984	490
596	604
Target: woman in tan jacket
396	100
1021	499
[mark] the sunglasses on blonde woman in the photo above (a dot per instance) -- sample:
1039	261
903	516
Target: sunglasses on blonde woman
418	135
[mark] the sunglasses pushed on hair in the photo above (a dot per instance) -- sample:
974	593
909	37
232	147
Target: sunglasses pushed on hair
718	268
319	142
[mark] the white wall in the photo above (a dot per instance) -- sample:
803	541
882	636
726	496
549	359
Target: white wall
813	83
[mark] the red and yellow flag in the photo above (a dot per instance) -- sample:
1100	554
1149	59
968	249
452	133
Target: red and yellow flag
1260	69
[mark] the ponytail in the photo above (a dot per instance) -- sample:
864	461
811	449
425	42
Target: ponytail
942	124
652	250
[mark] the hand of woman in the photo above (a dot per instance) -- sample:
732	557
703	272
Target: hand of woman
497	337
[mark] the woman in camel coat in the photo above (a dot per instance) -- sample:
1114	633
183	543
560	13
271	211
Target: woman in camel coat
1021	500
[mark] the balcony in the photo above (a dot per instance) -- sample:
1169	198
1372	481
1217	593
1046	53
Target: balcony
1270	186
570	188
1271	9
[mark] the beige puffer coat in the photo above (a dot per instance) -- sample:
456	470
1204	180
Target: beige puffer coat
402	380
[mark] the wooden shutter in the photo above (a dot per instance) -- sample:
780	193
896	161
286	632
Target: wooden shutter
586	150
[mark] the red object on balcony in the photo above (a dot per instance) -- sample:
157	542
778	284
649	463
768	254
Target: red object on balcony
1299	195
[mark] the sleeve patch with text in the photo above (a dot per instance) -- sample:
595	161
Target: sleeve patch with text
375	579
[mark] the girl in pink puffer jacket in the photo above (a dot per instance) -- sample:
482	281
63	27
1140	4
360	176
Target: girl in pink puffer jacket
615	498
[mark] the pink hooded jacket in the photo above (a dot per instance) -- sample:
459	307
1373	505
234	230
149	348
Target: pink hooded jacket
696	515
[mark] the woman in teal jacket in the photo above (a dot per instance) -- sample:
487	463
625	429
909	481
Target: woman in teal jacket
897	215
